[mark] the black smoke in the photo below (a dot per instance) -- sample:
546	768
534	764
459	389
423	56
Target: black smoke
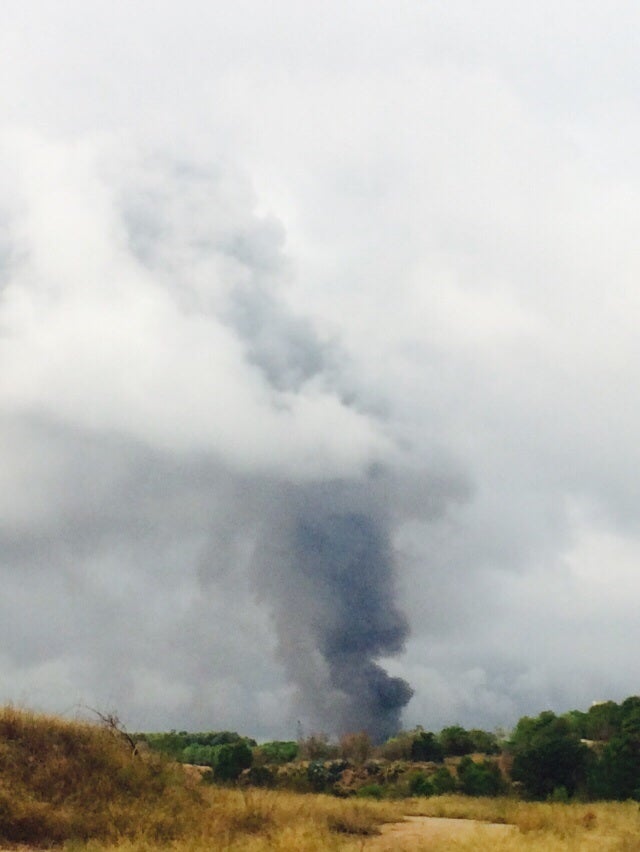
327	568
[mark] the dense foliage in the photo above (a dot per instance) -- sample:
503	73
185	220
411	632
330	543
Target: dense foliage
226	753
548	756
593	754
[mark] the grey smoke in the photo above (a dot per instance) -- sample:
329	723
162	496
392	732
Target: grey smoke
325	563
324	560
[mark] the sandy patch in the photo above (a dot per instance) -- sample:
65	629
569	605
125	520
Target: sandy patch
417	832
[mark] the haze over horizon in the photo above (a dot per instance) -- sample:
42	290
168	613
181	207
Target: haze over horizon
288	290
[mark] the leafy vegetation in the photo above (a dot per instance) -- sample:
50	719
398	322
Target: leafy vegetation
593	754
548	756
276	752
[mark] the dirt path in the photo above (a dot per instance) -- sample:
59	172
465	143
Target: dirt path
416	832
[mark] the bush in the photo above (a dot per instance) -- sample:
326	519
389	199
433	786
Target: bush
420	785
356	747
443	782
230	759
370	791
316	747
425	747
455	741
484	742
479	779
317	776
276	752
398	747
258	776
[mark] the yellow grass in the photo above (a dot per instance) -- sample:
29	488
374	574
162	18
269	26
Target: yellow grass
271	820
78	785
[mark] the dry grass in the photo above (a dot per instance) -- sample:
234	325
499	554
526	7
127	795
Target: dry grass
62	780
80	785
234	820
540	826
269	820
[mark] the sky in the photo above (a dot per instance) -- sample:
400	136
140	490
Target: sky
265	265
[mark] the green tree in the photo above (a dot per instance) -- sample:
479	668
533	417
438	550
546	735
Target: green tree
420	785
603	721
479	779
398	747
278	751
425	746
230	759
484	742
443	781
630	717
547	754
455	741
200	755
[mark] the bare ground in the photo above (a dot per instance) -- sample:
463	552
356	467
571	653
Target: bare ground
417	832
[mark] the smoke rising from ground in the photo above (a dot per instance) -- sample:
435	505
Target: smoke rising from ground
344	559
326	565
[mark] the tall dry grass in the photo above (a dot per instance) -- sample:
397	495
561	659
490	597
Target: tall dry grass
80	785
62	780
289	822
554	827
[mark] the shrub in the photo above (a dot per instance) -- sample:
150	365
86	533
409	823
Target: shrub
316	747
479	779
484	742
276	752
398	747
455	741
356	747
443	781
371	791
425	747
258	776
420	785
230	759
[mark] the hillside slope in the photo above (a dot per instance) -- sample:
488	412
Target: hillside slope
62	780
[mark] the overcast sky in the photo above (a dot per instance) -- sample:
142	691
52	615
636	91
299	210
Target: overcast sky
250	248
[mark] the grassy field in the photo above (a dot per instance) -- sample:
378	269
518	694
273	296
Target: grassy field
263	820
82	786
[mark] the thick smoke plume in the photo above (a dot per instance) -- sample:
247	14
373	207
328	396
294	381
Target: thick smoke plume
327	567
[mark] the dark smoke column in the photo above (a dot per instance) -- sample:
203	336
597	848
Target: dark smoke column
345	558
330	580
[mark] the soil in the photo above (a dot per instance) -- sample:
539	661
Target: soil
416	833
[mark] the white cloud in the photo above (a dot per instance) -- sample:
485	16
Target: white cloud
248	244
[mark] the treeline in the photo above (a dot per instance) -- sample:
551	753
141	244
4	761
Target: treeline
226	753
589	755
592	755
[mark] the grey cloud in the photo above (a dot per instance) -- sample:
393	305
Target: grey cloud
187	214
337	264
